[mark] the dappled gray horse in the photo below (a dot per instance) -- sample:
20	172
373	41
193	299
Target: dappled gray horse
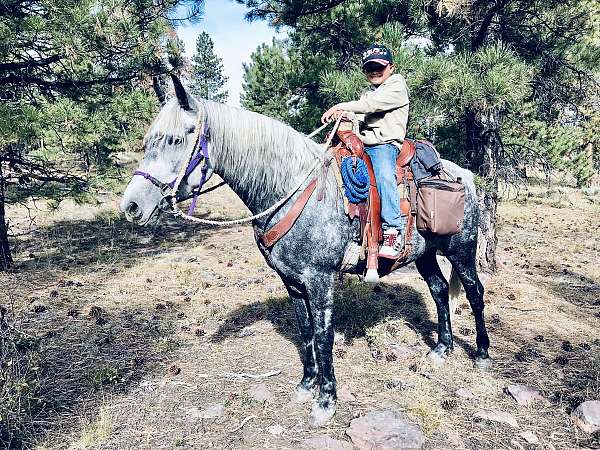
262	159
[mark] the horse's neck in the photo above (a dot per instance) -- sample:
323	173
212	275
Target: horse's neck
272	178
263	162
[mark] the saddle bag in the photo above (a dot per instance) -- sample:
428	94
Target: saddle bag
440	206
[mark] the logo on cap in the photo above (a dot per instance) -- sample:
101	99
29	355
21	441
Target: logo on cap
378	54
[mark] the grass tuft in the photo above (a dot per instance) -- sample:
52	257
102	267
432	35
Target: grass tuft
95	432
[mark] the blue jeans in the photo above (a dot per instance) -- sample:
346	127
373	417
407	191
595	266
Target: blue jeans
383	157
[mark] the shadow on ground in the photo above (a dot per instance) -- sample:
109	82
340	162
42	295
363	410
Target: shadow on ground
574	287
82	243
357	308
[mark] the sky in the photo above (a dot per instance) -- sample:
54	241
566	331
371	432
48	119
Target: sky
235	39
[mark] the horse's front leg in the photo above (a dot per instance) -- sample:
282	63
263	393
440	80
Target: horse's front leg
306	388
320	297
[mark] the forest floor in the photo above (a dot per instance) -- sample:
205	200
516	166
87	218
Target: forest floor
141	329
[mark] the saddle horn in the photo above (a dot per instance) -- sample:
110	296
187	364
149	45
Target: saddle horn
160	93
180	92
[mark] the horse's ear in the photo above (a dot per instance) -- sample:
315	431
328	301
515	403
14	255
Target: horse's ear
160	93
181	94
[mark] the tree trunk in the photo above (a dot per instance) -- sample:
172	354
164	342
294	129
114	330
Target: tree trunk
5	256
483	150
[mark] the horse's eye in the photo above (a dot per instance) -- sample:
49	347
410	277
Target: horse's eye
170	140
191	130
177	141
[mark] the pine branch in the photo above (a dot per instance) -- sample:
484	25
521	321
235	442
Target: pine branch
30	64
66	84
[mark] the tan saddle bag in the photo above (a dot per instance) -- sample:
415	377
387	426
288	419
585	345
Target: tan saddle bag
440	205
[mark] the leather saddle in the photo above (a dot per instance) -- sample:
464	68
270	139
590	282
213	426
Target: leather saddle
369	212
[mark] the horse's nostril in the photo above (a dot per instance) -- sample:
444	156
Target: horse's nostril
133	210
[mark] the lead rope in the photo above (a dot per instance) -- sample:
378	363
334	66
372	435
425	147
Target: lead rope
179	213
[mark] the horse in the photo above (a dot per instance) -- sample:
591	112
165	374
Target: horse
262	159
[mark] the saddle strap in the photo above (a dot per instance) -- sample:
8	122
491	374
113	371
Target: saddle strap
410	223
280	229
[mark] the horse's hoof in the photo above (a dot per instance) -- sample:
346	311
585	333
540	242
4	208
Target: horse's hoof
371	276
302	395
320	416
483	363
436	359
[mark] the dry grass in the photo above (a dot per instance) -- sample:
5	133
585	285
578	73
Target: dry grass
138	327
94	432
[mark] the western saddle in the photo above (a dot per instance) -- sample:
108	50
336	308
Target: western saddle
368	212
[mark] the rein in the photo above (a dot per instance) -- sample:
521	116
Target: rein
195	158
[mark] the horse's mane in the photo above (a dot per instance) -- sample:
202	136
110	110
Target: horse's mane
261	152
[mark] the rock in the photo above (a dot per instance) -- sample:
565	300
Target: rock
276	430
146	386
209	275
587	416
464	393
530	437
455	440
402	351
261	393
497	416
247	331
385	430
324	442
211	412
345	395
525	395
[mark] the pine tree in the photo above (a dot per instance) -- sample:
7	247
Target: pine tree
75	88
207	71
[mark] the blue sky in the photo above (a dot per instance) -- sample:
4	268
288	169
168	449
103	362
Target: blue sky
235	39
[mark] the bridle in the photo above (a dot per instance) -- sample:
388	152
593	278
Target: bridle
200	152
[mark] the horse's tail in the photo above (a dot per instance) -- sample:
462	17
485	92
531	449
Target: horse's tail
453	292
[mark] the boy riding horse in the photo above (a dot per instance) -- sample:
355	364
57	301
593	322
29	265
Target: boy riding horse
382	112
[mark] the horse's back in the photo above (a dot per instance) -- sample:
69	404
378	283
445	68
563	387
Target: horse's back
457	171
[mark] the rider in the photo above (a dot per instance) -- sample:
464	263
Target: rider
382	111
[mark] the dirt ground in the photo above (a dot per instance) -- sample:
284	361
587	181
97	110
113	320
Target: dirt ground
142	329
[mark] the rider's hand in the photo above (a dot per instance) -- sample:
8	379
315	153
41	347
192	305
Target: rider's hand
332	113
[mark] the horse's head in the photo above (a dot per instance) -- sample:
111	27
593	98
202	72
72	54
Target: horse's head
168	144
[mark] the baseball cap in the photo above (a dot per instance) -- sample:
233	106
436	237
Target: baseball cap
377	54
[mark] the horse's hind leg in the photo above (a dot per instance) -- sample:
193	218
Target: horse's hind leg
305	389
429	269
465	269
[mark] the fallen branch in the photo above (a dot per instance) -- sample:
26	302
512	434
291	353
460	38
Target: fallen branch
241	425
250	375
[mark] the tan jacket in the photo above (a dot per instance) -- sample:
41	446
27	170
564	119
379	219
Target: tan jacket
382	111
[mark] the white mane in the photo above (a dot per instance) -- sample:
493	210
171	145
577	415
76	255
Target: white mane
257	152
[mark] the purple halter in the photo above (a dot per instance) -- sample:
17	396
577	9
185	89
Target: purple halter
201	155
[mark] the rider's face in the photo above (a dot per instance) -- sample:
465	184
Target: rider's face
377	73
